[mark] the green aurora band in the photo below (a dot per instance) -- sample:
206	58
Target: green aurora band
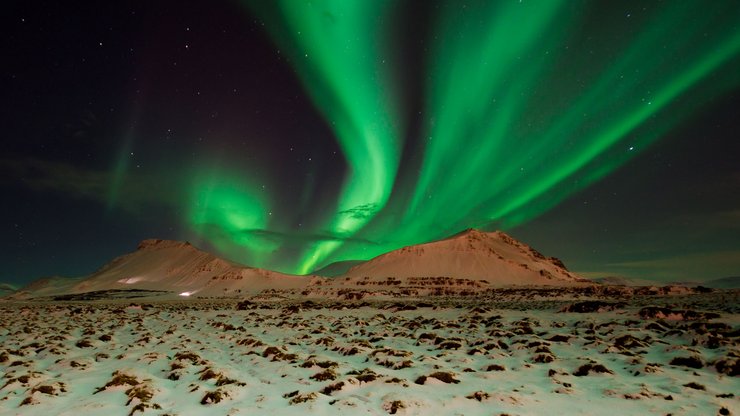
525	103
334	46
222	207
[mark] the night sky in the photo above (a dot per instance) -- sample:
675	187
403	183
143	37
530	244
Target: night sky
290	134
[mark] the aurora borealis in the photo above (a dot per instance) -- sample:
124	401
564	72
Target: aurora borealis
292	134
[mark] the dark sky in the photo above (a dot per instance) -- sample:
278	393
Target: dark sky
289	134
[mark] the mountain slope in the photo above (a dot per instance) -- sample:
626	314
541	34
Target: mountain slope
174	266
493	259
731	282
7	289
337	268
625	281
180	267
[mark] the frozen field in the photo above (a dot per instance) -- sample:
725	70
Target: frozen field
441	357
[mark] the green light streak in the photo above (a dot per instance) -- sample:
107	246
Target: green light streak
485	53
604	140
507	164
229	213
524	105
613	99
118	174
333	45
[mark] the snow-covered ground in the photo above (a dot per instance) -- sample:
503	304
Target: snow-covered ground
431	358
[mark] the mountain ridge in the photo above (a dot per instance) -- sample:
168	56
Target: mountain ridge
173	266
470	260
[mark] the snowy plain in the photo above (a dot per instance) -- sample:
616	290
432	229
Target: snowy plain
423	357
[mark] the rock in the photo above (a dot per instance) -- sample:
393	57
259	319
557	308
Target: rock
591	306
586	369
691	362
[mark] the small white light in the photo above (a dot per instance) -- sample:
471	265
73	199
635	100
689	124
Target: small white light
185	294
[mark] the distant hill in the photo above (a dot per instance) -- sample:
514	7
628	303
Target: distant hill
7	289
47	286
626	281
732	282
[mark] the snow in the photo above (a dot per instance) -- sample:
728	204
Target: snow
503	348
141	342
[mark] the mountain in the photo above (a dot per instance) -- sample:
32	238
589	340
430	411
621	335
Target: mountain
337	268
470	260
7	289
626	281
731	282
47	286
174	266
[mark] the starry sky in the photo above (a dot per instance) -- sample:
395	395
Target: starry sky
292	134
